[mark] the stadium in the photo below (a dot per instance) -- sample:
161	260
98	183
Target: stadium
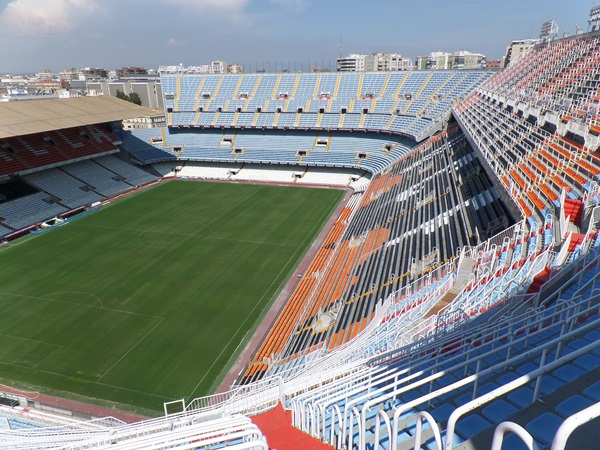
344	260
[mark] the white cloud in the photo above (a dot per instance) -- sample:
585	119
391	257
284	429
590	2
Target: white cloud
174	41
43	17
296	5
231	6
216	14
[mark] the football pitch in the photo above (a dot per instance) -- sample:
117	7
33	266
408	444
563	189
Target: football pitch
151	298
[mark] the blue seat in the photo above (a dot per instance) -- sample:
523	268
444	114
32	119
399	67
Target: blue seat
472	425
513	442
567	373
492	359
464	398
526	368
593	391
572	405
442	412
592	336
410	395
498	410
521	397
549	384
486	388
587	362
507	378
578	343
544	427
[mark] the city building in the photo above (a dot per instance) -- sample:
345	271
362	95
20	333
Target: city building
94	73
351	63
131	72
445	61
387	62
234	68
517	49
375	62
435	61
150	91
466	60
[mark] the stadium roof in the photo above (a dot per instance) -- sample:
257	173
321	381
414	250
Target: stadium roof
36	116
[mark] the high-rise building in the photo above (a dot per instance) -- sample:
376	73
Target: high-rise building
435	61
387	62
466	60
131	72
375	62
517	49
351	63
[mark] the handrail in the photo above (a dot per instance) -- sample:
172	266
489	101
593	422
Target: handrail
571	423
517	429
508	387
469	379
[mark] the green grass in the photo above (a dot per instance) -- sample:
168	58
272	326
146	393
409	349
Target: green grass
149	299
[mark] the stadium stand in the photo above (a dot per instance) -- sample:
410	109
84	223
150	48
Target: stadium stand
50	173
316	101
454	303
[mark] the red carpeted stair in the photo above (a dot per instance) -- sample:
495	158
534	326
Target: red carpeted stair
574	208
539	279
276	425
576	239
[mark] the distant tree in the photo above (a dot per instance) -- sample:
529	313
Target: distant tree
135	98
122	95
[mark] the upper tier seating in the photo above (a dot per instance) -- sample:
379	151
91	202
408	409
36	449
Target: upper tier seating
316	101
19	154
534	123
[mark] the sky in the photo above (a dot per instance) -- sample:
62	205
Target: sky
270	34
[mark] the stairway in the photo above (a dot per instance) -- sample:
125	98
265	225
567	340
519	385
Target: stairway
574	209
276	425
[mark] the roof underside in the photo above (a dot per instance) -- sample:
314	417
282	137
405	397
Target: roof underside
37	116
